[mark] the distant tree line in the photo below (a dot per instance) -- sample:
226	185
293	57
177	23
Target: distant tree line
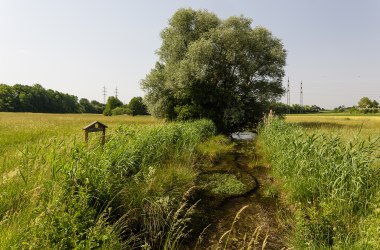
24	98
281	108
365	105
35	98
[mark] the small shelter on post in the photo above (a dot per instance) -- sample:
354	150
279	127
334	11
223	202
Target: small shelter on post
95	127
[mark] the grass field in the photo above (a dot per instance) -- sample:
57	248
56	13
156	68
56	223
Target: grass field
328	167
17	129
57	192
346	126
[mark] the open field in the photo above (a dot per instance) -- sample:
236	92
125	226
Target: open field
20	132
17	129
346	126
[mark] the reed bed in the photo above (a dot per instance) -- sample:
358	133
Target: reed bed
332	184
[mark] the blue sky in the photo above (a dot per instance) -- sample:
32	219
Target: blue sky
79	46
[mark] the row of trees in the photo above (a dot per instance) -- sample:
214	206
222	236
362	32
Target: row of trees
24	98
135	106
281	108
365	105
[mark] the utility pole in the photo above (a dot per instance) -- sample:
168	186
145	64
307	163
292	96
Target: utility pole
104	94
288	96
301	96
116	92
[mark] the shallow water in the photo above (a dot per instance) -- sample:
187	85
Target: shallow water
243	136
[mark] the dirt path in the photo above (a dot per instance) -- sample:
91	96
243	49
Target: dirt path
259	223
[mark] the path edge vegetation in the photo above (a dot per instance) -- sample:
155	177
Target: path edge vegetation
331	184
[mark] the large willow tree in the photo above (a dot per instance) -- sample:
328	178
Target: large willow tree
223	70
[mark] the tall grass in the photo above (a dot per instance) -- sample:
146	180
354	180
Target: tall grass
125	194
344	125
333	183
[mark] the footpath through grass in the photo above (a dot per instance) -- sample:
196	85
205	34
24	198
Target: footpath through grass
332	183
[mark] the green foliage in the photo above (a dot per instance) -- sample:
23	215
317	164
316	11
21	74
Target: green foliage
7	100
271	192
332	182
365	102
137	106
223	184
71	223
216	146
121	111
112	103
91	107
365	105
24	98
281	108
125	194
222	70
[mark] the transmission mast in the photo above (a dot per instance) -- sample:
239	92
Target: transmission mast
288	94
116	92
301	96
104	94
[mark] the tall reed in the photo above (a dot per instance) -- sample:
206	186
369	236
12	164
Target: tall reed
332	183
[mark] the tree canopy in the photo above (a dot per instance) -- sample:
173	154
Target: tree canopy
35	98
223	70
365	102
137	106
112	103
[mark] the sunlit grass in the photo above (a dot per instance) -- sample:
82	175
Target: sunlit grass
34	150
20	129
345	126
329	169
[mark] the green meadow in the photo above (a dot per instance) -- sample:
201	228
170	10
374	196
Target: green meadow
347	126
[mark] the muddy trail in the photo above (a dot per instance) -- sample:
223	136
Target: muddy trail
255	220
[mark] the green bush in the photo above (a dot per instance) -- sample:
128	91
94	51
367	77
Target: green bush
121	111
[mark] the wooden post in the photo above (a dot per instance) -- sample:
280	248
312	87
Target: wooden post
104	136
86	136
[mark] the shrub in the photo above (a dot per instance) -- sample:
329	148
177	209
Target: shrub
121	111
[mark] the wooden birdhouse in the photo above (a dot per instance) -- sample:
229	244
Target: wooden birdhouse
95	127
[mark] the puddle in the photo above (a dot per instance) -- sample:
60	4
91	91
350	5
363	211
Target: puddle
243	136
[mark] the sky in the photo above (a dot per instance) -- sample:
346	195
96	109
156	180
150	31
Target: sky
80	46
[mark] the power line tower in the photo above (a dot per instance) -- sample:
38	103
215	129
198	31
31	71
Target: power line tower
301	96
288	93
288	96
116	92
104	94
